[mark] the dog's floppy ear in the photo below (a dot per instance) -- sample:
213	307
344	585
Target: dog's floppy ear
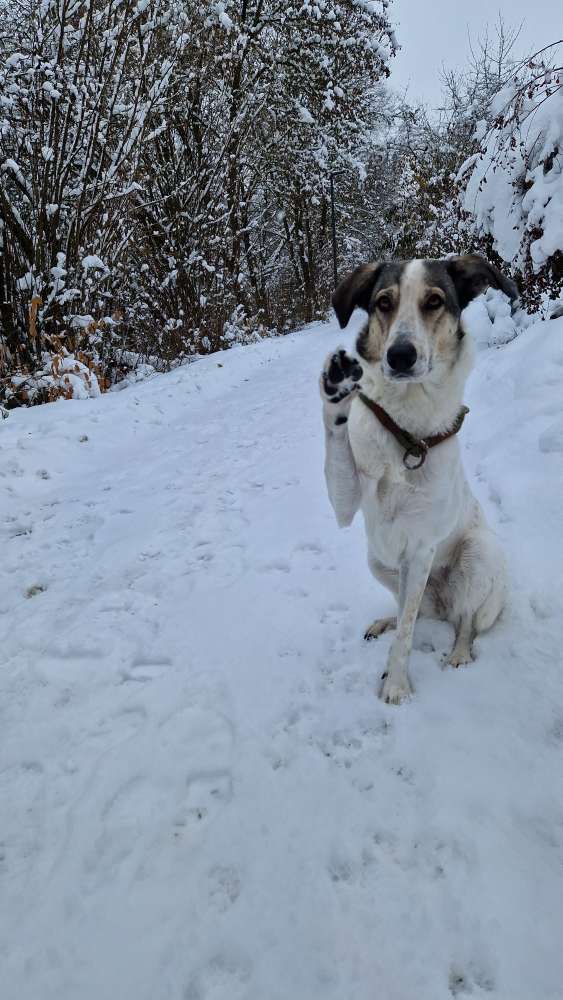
471	274
355	290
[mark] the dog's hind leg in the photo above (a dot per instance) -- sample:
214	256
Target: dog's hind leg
477	591
378	627
464	634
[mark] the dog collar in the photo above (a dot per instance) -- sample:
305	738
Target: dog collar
414	447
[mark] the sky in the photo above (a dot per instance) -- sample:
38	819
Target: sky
432	32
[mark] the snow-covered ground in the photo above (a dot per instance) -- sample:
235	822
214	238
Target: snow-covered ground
201	797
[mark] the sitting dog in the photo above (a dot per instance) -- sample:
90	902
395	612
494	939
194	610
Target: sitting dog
391	421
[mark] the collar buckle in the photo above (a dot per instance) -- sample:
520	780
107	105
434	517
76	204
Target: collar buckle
418	449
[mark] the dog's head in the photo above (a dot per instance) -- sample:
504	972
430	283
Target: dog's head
414	309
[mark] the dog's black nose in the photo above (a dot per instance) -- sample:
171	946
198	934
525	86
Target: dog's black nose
401	356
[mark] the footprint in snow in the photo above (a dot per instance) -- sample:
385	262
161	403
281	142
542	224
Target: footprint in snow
345	747
555	734
208	793
112	730
20	530
313	547
276	566
224	887
551	440
125	818
431	855
293	732
21	839
335	614
463	982
223	976
144	669
384	852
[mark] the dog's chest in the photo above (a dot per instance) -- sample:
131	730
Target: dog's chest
400	506
384	480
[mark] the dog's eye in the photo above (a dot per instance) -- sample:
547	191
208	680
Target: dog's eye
434	302
384	304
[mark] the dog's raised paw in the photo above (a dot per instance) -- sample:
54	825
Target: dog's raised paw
340	376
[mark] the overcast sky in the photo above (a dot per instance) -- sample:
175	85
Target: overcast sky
432	32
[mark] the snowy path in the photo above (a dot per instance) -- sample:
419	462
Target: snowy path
201	797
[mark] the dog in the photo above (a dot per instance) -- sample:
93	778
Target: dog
391	417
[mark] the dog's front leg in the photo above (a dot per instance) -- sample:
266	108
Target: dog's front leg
414	572
338	385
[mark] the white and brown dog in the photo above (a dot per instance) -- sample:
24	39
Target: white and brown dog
391	449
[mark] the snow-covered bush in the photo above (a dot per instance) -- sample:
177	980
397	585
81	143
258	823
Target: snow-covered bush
80	84
63	376
513	186
163	164
492	322
241	329
420	208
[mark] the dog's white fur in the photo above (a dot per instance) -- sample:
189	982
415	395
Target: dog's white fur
428	541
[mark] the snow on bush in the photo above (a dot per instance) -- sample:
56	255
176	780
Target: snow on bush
241	329
64	376
514	186
490	319
116	197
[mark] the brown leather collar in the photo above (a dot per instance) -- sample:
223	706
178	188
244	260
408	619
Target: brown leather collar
417	447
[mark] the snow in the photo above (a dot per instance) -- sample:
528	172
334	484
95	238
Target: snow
14	60
51	91
202	797
225	20
492	320
14	168
305	115
93	261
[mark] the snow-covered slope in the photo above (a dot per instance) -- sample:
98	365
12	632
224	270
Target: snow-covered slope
201	796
